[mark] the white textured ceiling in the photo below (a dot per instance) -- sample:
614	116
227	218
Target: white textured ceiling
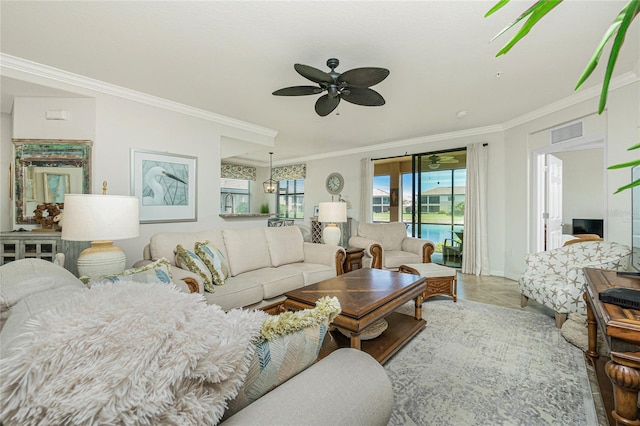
228	56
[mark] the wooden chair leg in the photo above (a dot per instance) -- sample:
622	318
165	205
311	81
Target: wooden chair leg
523	300
560	319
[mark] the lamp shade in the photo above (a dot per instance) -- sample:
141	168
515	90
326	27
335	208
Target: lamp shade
332	212
92	217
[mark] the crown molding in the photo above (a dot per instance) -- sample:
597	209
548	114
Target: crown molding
8	62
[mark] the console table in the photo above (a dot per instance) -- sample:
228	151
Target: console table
619	376
41	245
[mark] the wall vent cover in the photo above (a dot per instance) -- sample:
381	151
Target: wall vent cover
568	132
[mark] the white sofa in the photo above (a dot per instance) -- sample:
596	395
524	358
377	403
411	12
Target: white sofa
264	262
353	384
387	246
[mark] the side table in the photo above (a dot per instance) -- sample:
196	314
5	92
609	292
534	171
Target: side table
353	260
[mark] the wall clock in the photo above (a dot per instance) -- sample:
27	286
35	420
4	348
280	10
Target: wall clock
334	183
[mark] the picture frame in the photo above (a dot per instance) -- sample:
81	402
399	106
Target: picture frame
56	185
166	186
316	211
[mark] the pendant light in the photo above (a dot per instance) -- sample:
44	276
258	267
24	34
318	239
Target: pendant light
270	185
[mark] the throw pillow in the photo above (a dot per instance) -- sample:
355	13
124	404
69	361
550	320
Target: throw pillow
186	259
215	261
154	272
288	343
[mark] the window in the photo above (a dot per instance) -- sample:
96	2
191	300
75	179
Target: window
235	196
291	199
381	198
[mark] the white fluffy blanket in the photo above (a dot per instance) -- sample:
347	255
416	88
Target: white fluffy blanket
128	353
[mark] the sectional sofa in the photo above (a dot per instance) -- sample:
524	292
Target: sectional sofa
264	263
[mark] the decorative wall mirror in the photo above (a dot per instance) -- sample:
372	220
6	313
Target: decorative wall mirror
47	169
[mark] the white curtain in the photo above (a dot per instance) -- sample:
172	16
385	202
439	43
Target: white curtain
475	253
366	190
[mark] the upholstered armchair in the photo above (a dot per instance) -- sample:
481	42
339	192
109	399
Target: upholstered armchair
555	278
386	245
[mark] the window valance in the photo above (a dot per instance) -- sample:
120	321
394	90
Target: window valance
294	171
237	171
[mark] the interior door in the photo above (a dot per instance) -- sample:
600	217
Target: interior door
553	213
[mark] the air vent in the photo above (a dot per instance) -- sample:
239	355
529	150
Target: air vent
568	132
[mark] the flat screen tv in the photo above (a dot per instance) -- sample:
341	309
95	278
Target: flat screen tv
588	226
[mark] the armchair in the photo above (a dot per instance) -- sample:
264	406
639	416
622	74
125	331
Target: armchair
386	245
555	278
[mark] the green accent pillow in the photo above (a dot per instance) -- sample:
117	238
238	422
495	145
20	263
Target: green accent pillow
186	259
155	272
215	261
289	343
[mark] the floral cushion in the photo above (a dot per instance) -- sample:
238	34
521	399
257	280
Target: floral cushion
186	259
155	272
289	343
214	260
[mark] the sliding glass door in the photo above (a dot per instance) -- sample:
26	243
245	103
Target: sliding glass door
437	185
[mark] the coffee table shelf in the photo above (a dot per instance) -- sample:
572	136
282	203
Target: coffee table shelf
401	328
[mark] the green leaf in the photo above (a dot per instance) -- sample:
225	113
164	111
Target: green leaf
631	148
623	165
498	6
518	19
630	11
629	186
537	12
593	62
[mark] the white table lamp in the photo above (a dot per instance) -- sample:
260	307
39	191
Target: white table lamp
100	219
331	213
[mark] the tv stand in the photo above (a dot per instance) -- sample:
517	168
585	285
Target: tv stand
619	376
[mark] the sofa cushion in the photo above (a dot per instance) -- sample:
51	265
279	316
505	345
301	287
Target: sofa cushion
247	249
24	277
311	272
286	245
395	258
289	343
186	259
275	281
158	271
237	292
215	261
164	244
389	235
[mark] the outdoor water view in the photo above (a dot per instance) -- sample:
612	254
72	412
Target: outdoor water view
441	205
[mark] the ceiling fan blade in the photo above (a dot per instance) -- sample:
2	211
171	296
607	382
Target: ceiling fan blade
325	104
363	96
298	91
363	77
313	74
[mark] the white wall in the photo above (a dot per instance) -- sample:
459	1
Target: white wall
6	153
30	122
582	184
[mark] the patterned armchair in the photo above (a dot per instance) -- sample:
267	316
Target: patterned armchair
555	278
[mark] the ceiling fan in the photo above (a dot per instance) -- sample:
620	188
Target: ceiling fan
436	160
352	86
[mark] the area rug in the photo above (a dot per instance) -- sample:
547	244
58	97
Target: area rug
479	364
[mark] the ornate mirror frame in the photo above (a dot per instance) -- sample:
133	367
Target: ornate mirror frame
48	156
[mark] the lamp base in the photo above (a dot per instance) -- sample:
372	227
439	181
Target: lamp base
331	234
102	258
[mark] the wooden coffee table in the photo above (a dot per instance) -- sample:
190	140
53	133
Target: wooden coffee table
366	296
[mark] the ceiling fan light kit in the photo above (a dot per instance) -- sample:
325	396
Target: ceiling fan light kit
352	86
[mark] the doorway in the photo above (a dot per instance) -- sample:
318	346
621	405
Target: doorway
583	184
